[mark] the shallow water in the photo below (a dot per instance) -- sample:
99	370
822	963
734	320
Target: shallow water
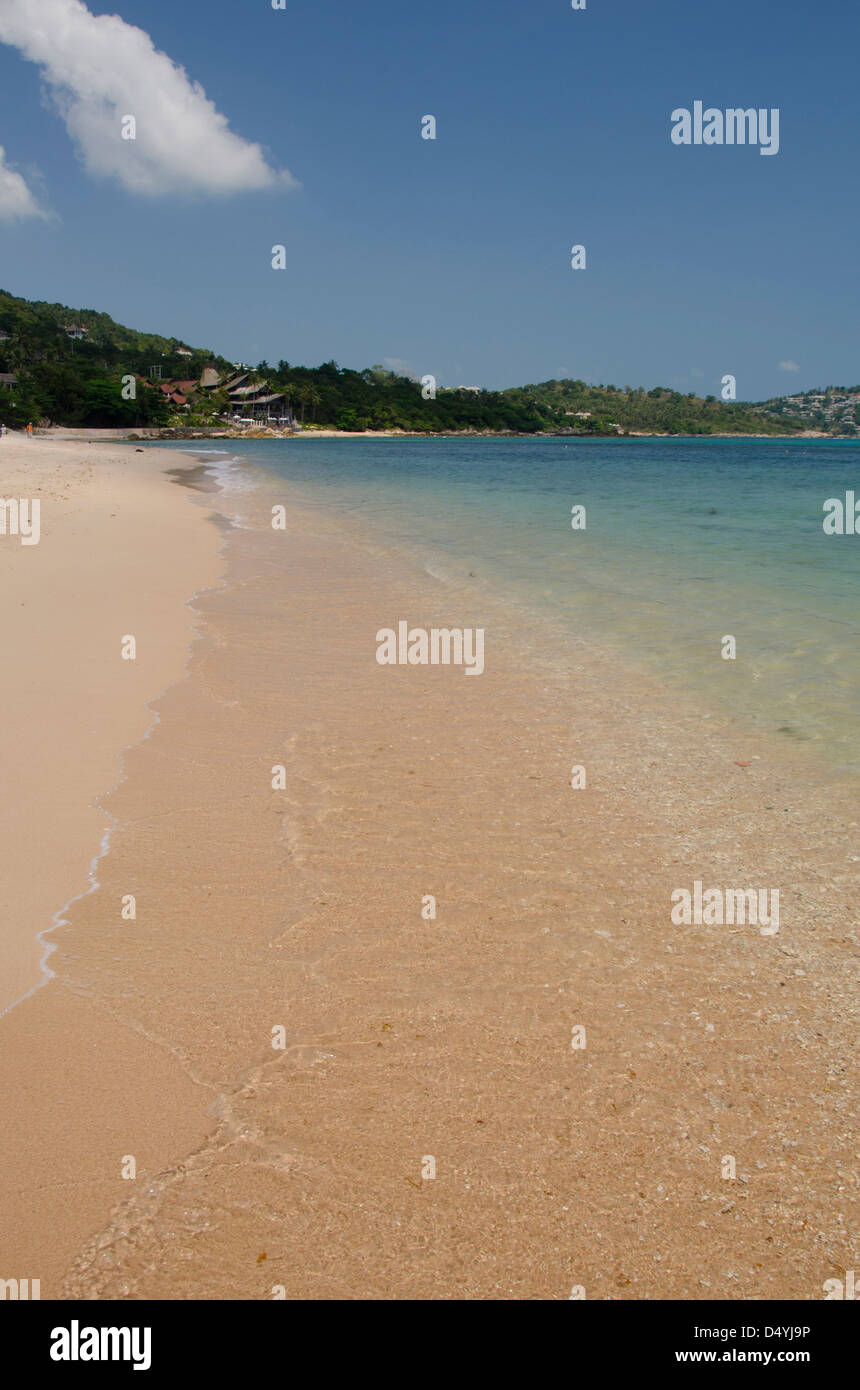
687	541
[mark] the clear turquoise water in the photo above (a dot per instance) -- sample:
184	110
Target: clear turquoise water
686	540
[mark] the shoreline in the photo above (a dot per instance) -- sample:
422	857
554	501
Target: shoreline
178	434
450	1037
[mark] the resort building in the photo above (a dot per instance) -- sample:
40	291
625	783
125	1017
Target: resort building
248	399
253	400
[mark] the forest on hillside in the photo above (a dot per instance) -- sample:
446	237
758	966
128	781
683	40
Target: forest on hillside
69	367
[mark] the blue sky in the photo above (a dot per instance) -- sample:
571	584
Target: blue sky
453	256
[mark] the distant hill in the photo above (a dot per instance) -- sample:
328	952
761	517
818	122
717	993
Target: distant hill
611	410
67	366
835	409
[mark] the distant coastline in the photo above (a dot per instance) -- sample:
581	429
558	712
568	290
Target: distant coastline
79	369
176	434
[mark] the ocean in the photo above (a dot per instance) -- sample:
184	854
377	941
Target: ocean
685	543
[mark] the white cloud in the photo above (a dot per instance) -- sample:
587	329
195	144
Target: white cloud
100	69
16	200
789	366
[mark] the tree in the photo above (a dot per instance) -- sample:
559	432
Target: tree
301	393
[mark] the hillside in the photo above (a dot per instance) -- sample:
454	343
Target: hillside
68	366
608	409
835	409
35	325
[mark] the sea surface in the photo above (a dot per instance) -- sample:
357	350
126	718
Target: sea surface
687	542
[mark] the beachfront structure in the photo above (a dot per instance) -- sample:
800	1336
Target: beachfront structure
269	408
247	398
254	400
176	392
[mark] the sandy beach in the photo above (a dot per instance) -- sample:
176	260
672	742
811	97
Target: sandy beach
118	554
109	520
326	1092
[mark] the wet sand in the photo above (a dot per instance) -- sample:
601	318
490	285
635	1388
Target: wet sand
416	1044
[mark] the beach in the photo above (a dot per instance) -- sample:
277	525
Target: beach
117	554
402	1011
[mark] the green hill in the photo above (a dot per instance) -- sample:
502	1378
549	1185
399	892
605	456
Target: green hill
611	410
835	409
68	367
77	380
35	326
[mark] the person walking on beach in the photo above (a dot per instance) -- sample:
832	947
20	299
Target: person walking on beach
2	431
29	431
